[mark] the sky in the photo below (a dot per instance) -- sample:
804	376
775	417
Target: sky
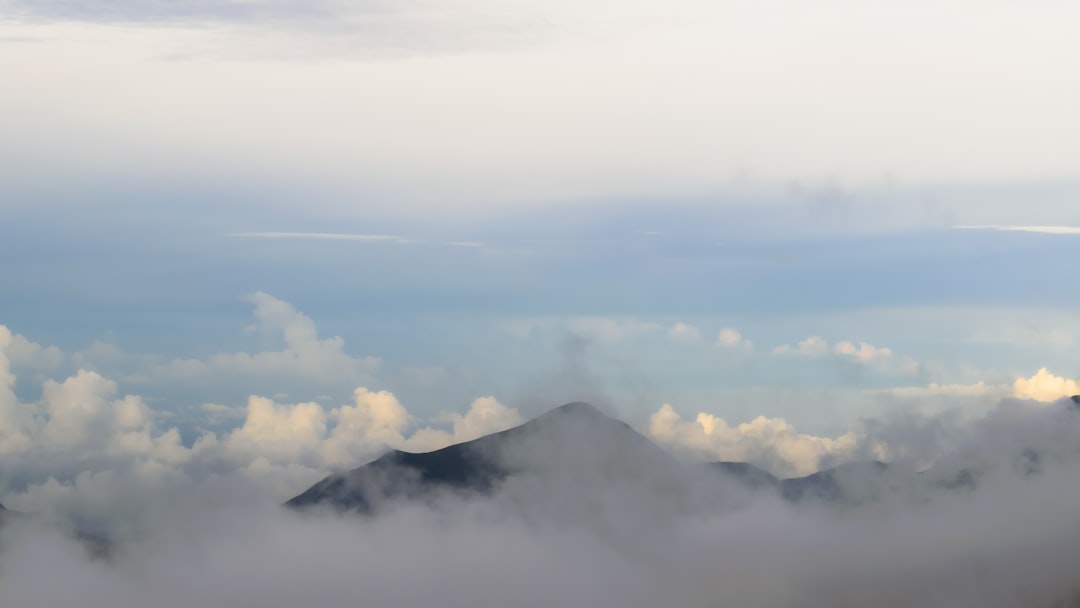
747	228
245	244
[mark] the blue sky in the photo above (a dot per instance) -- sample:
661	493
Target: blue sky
542	202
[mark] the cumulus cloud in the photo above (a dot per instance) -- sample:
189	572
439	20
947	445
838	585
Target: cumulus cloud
812	346
204	512
770	443
13	420
22	352
816	346
1008	542
82	432
684	332
864	352
731	338
304	354
1045	386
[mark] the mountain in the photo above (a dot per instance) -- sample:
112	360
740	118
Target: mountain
746	473
837	484
95	545
575	439
578	443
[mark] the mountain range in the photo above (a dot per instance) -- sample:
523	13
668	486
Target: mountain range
575	440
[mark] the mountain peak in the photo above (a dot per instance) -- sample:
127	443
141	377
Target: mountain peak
578	409
575	436
576	406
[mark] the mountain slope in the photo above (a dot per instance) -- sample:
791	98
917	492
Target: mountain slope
575	438
577	443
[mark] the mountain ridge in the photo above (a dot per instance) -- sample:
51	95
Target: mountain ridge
565	437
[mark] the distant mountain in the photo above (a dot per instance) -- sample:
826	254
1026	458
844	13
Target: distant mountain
746	473
95	545
575	438
577	441
835	484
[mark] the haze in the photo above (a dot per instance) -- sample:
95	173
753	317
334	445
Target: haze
249	244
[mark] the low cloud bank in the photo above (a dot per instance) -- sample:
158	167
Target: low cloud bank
994	524
580	538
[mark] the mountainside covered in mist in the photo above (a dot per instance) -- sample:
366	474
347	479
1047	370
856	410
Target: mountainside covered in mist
574	439
574	435
95	545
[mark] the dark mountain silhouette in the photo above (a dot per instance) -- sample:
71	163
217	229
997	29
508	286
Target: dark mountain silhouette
578	441
575	437
833	485
746	473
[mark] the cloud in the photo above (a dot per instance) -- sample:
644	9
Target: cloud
1044	386
731	338
207	512
1039	229
978	389
863	353
314	440
14	420
178	10
305	355
816	346
22	352
368	26
770	443
325	236
485	415
684	332
812	346
83	428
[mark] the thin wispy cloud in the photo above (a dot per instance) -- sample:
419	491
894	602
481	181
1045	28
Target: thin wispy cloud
325	236
1039	229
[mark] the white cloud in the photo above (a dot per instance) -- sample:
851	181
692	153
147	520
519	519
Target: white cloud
83	427
771	443
14	420
731	338
485	415
305	355
283	433
864	352
816	346
812	346
1044	386
23	352
531	139
1039	229
684	332
325	236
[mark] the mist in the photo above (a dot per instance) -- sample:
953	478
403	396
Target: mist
579	528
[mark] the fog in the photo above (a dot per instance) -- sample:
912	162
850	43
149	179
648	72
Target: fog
584	530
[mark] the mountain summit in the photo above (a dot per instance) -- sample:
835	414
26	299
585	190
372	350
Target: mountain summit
574	438
568	452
